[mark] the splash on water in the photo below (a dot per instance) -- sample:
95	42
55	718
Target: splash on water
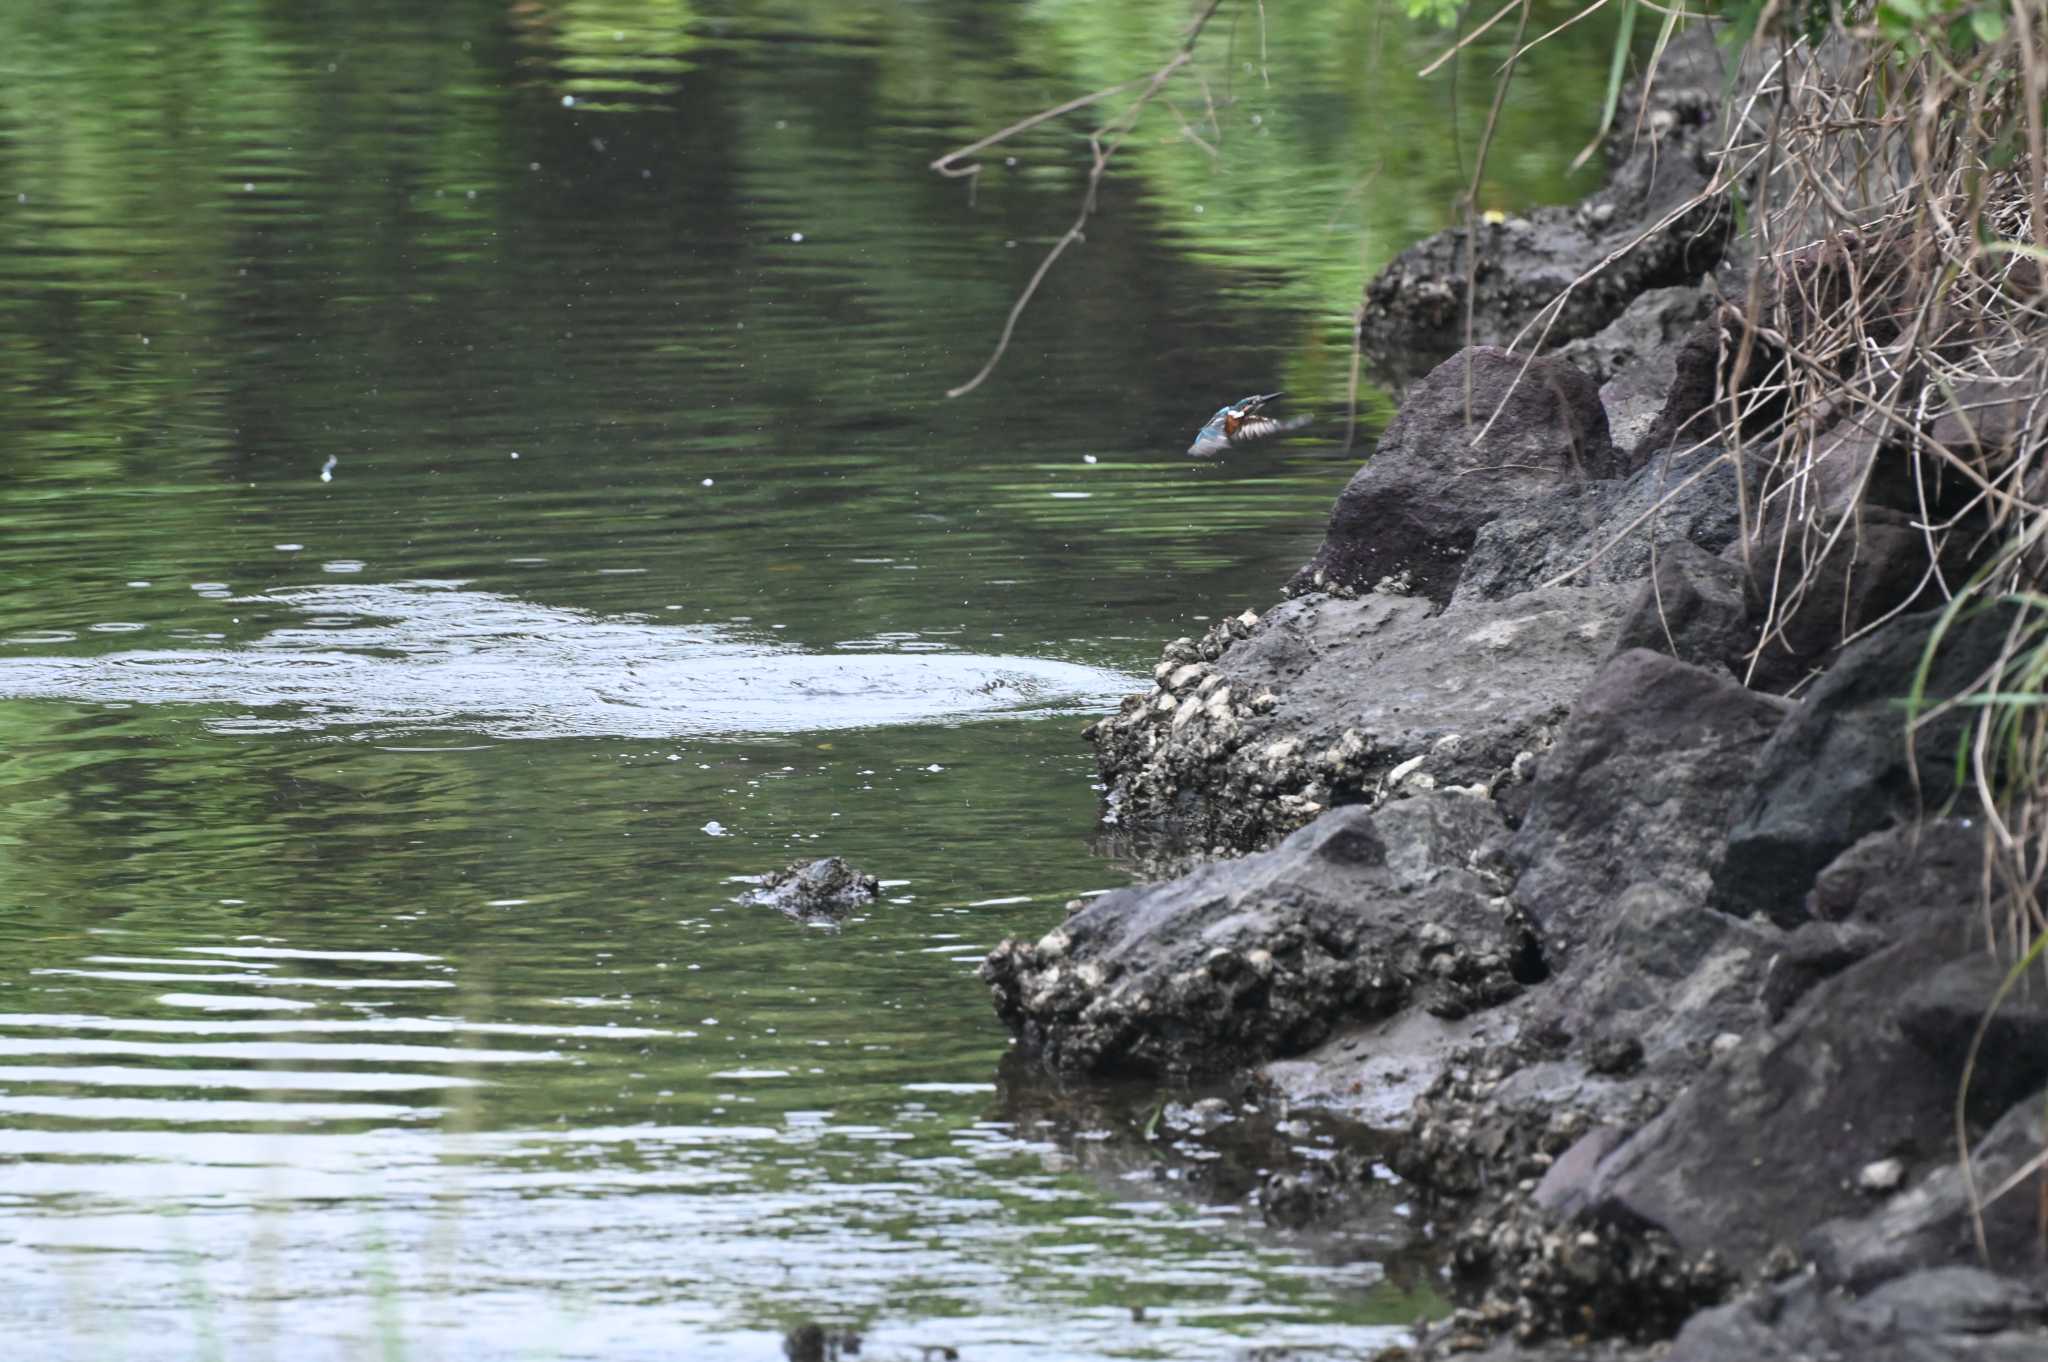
378	661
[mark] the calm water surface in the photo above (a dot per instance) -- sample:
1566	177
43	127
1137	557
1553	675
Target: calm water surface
474	484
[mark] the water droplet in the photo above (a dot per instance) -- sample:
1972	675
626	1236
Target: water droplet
327	469
714	829
515	453
568	101
796	236
707	482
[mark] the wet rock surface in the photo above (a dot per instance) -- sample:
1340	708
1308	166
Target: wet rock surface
1326	701
825	890
1250	959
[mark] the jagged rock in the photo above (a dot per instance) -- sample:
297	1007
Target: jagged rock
1931	1225
1604	531
1838	768
1416	505
1249	959
1891	880
1416	306
1822	584
1694	607
1772	1137
1812	952
1637	790
826	889
1327	701
1958	1314
1691	414
1657	969
1641	339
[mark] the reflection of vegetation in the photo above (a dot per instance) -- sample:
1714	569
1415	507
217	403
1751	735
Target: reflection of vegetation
246	239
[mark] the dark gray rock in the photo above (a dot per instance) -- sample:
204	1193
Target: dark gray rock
1250	959
1948	1011
1694	607
1416	505
1838	769
1640	340
1689	416
1565	1188
1930	1224
1660	970
1958	1314
1818	586
1416	307
1605	531
1637	790
1325	700
1635	358
823	890
1371	1073
1812	952
1897	878
1772	1138
1955	1314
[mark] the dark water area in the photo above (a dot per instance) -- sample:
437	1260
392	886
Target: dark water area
475	484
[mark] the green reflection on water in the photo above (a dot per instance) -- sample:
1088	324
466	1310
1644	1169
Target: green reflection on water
686	262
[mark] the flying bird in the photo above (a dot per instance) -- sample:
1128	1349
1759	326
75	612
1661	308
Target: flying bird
1242	423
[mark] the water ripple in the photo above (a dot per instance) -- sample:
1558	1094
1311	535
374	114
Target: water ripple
431	656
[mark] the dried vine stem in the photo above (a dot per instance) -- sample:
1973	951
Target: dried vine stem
1103	144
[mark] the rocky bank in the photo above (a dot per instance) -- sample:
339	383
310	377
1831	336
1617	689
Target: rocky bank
1658	953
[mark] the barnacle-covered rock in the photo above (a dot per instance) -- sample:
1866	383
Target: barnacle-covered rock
1248	959
1267	722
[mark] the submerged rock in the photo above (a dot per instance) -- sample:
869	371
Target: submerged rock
826	889
1352	918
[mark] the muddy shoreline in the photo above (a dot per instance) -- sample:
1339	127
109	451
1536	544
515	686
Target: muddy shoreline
1648	952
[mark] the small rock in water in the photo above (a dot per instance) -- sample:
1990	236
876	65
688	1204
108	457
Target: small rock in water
827	888
813	1342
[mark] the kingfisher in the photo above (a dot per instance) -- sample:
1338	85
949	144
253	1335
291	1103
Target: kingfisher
1241	423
